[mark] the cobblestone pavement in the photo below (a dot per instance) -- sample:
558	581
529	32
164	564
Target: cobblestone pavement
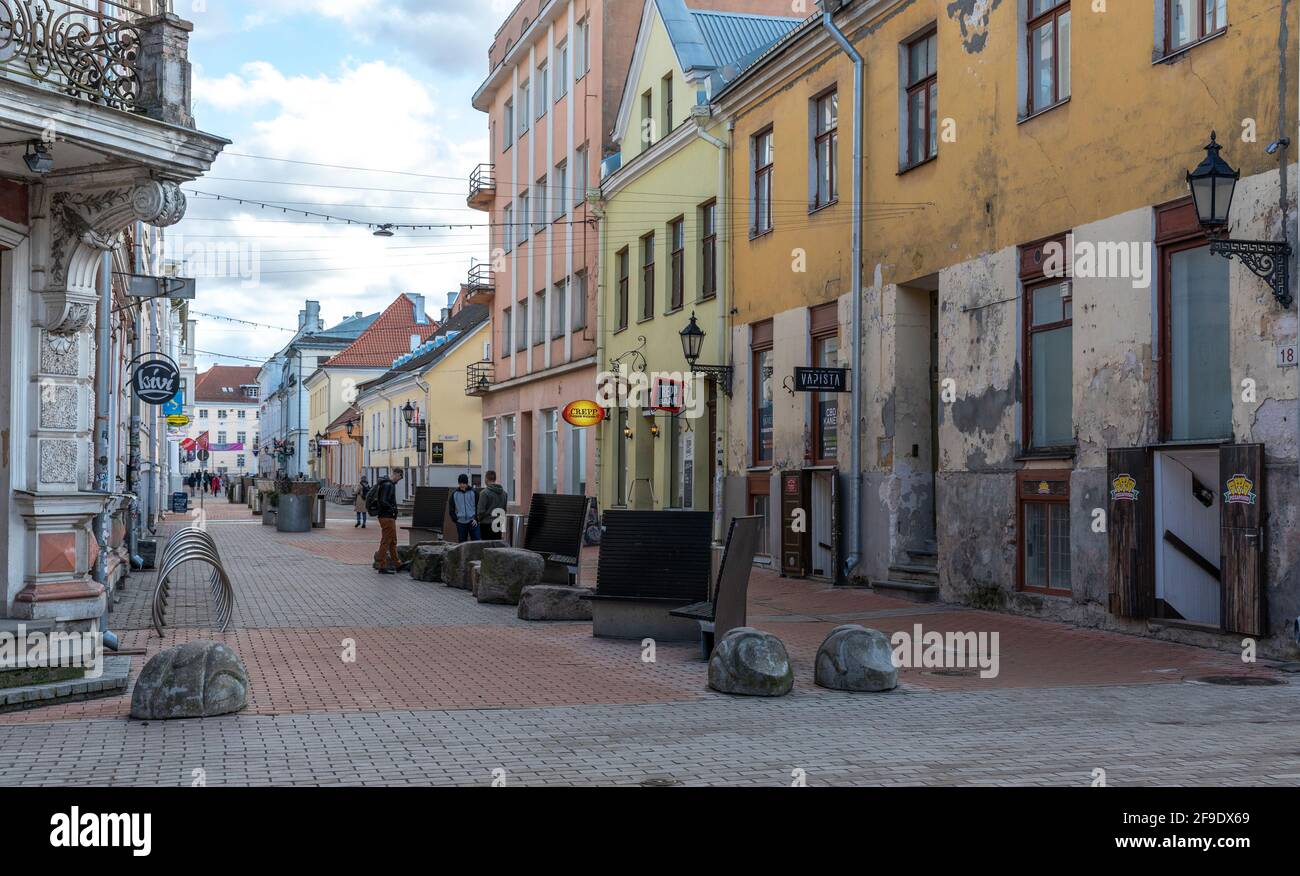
444	690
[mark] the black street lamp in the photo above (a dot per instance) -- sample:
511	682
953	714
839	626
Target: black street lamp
349	425
1213	184
692	344
408	413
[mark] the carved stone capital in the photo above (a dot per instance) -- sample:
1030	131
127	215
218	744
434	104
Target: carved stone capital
83	224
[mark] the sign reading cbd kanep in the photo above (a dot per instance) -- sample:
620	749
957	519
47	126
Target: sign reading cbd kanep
821	379
155	381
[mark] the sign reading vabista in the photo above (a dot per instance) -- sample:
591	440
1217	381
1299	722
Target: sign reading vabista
821	379
583	413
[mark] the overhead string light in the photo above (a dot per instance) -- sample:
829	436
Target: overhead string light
380	229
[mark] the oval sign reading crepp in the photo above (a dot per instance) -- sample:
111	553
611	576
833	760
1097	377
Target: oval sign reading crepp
583	413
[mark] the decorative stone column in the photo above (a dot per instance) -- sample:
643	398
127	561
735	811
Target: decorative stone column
71	229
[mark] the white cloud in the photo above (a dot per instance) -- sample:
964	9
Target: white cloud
366	114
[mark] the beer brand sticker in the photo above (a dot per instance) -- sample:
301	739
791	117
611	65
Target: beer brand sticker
1124	489
1044	488
1240	491
583	413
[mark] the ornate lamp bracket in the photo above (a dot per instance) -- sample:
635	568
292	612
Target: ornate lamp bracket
1266	259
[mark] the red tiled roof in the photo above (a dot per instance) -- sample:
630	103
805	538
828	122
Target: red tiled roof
212	384
386	339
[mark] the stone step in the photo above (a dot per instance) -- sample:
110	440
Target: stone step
925	574
926	556
912	591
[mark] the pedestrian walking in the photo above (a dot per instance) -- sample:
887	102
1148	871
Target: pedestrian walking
383	505
463	507
492	504
359	503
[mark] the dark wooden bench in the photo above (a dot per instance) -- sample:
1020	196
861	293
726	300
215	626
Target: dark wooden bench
727	609
555	530
430	520
650	563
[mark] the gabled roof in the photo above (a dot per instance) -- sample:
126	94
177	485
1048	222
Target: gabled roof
713	46
350	328
386	338
224	383
352	413
455	330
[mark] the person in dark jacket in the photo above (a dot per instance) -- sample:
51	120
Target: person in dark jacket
359	503
462	504
386	510
492	500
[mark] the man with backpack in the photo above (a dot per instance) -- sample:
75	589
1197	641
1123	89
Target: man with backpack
492	504
462	504
382	504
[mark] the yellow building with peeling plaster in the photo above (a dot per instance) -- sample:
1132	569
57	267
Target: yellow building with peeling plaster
999	399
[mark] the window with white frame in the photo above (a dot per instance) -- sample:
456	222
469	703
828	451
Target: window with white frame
539	209
576	469
560	201
489	445
578	289
580	175
507	227
508	125
550	450
542	79
525	216
525	101
581	48
562	70
558	310
508	456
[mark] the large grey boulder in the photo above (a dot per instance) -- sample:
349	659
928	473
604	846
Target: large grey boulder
550	602
427	561
455	562
506	572
751	663
856	658
195	680
475	570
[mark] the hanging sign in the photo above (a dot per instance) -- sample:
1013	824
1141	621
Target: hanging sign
583	413
821	379
175	407
1124	489
156	381
178	420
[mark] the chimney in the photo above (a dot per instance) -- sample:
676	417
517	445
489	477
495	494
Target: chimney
415	342
446	314
302	319
312	317
418	302
359	314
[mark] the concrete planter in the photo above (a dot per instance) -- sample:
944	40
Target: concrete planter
268	513
295	513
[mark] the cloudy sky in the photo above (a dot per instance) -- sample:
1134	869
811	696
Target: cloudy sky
362	86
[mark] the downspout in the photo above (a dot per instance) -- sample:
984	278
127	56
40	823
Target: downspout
854	556
602	239
103	413
724	333
133	435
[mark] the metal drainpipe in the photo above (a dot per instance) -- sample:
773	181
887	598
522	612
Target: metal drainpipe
855	483
103	483
724	333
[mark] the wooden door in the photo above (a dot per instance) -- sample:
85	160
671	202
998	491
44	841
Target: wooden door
1241	471
1130	525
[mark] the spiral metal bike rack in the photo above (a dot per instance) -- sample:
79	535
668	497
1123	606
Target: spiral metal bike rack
189	545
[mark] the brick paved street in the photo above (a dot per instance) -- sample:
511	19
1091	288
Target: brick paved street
445	690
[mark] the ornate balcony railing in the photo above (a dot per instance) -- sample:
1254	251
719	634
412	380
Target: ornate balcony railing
478	378
90	51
